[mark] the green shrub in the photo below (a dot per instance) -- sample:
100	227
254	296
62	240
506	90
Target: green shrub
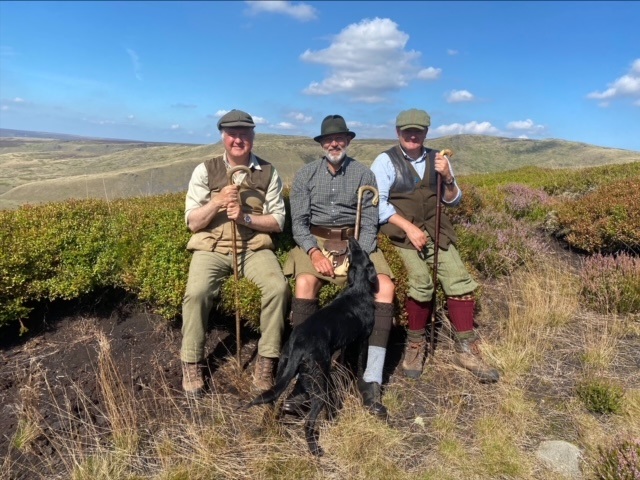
600	395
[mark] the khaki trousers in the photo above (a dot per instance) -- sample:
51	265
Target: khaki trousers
207	271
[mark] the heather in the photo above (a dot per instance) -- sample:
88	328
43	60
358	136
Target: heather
559	321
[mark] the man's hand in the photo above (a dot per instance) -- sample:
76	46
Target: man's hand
228	194
443	168
417	237
321	263
234	212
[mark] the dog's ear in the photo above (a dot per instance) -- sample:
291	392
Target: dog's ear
372	275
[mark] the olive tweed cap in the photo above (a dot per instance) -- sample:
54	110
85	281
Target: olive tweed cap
413	118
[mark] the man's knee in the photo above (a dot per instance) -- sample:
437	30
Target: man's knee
307	286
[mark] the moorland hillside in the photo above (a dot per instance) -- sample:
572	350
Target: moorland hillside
38	167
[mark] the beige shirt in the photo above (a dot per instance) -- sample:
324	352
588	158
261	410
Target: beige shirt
198	193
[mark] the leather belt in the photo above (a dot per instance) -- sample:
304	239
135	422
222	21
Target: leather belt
341	233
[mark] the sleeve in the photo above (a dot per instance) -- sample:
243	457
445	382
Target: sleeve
369	215
300	200
385	175
274	201
458	198
198	192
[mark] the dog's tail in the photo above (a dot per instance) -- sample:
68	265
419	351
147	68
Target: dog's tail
286	371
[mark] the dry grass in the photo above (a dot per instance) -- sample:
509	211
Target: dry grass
444	426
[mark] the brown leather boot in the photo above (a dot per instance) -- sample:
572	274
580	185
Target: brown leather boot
192	379
263	373
468	356
414	358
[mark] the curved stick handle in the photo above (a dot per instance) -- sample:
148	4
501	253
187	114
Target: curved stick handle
237	168
361	191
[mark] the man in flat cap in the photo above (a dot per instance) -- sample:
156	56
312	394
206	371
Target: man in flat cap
406	176
212	206
324	199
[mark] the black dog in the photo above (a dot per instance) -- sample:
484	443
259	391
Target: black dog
347	321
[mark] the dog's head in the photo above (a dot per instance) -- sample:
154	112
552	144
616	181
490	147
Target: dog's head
361	268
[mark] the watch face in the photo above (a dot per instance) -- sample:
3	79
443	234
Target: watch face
247	219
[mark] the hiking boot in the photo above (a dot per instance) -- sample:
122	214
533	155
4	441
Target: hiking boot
297	404
468	356
263	373
414	358
372	399
192	379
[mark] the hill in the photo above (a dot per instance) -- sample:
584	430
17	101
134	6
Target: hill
37	167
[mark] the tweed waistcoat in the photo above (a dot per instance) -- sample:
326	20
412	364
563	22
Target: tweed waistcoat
218	236
415	200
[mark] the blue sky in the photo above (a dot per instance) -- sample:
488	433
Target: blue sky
166	71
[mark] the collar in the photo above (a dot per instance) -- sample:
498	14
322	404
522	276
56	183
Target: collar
253	162
421	158
341	168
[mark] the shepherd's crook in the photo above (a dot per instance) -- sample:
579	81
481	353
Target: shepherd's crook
374	201
234	252
436	245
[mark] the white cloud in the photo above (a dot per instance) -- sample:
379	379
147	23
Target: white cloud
476	128
301	11
457	96
452	52
131	117
429	73
175	126
527	127
367	60
285	126
626	86
137	66
300	117
13	103
220	113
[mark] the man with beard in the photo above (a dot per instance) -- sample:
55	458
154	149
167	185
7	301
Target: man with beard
324	199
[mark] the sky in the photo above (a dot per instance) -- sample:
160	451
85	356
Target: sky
166	71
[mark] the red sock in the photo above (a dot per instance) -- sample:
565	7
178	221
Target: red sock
418	313
461	314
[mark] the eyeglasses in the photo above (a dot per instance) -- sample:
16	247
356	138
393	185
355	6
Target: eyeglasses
329	139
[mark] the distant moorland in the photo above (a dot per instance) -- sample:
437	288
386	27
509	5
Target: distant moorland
37	167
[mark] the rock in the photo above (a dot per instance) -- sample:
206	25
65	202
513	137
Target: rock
562	457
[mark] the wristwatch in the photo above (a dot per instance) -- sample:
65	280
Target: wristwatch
451	182
247	219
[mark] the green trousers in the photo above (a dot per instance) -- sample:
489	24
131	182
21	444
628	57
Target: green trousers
452	274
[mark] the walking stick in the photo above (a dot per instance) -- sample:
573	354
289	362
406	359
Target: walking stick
361	191
436	245
234	253
356	235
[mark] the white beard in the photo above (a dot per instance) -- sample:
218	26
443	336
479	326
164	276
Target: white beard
334	158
